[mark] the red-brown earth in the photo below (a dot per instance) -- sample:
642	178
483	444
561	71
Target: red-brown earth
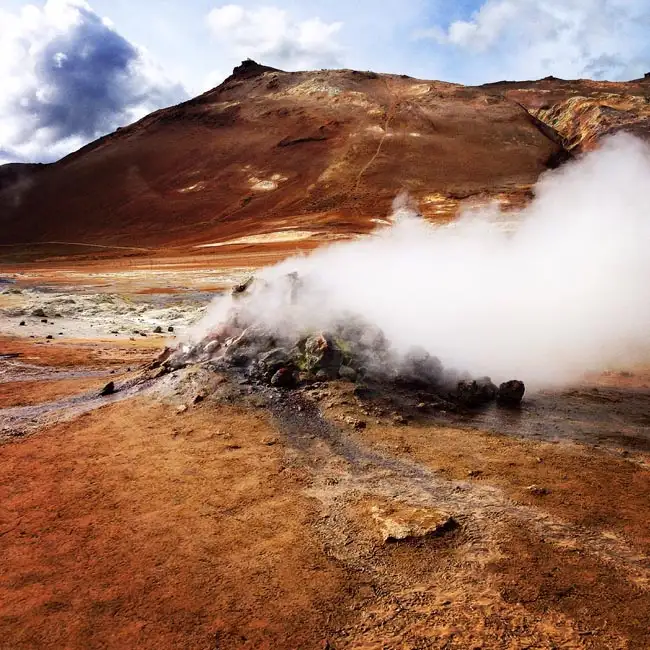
151	519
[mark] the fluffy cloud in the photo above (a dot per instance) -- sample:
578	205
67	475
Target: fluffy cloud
568	38
69	77
273	37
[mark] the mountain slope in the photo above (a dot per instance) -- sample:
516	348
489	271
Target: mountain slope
322	151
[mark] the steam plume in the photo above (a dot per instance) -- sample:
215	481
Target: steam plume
567	292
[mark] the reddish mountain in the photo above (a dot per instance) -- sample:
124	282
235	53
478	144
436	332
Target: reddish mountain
322	151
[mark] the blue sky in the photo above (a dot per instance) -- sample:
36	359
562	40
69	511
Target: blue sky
72	70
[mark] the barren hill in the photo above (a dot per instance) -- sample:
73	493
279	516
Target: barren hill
324	151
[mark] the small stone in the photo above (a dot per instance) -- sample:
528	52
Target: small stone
142	334
181	409
400	420
422	406
39	313
22	323
109	389
49	337
473	473
269	441
43	320
157	330
355	423
537	490
170	329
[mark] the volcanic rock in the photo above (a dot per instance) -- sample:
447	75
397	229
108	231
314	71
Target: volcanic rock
157	330
476	392
269	363
284	378
109	389
243	287
511	393
346	372
419	368
39	313
321	356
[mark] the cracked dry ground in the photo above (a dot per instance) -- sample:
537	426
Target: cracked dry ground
249	520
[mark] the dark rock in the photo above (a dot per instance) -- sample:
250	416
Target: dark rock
419	368
43	320
322	353
347	372
270	362
511	393
170	328
49	337
157	330
161	358
39	313
243	287
284	378
22	323
476	392
109	389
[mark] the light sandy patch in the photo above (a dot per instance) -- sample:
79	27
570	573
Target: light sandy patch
267	238
197	187
265	186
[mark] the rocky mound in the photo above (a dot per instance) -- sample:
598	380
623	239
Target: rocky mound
353	350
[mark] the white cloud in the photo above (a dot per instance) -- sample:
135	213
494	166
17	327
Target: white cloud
569	38
273	37
68	77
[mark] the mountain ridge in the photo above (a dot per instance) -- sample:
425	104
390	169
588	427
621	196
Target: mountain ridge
327	150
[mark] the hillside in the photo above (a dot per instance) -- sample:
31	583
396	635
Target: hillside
318	151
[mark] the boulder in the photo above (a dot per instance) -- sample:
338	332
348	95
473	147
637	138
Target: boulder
476	392
419	368
322	354
284	378
511	393
348	373
269	363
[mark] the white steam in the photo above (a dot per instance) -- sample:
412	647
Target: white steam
567	293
